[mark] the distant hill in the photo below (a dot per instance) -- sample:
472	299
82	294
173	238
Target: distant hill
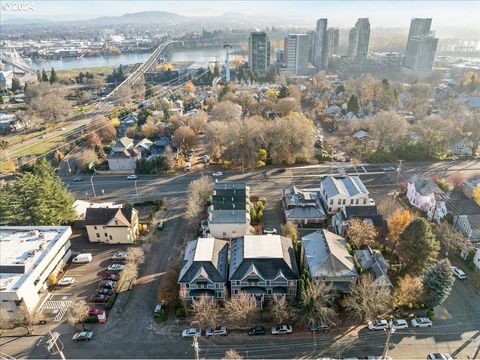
22	21
144	17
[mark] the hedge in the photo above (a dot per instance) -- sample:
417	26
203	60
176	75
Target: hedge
110	302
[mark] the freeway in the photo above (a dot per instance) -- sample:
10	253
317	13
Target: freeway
270	180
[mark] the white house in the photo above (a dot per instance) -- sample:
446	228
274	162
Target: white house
112	225
6	78
425	195
338	192
462	147
28	255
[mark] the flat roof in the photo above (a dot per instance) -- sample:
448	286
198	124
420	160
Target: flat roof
204	249
228	216
262	246
22	248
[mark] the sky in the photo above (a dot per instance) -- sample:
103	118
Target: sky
395	13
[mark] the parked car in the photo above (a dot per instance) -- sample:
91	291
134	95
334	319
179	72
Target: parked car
257	330
105	291
107	284
439	356
83	336
377	324
98	298
459	273
318	327
159	310
121	255
399	324
132	177
281	329
112	277
161	225
68	280
269	230
217	174
219	330
77	178
94	312
188	166
116	267
191	332
421	322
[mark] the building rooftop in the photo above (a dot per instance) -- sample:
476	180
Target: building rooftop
230	186
262	246
22	248
228	216
345	185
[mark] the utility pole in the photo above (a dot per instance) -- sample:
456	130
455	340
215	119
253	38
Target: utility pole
93	187
227	62
195	346
399	170
53	346
136	189
390	330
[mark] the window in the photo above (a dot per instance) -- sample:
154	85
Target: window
329	209
98	235
331	201
95	227
344	201
339	201
224	233
116	222
269	291
106	234
268	282
187	285
110	237
237	282
351	201
364	201
356	201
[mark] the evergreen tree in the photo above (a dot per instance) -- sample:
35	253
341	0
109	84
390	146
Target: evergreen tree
340	89
36	198
44	75
437	282
353	104
16	84
121	75
284	92
53	76
418	246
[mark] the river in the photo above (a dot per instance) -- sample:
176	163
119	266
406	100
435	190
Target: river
200	54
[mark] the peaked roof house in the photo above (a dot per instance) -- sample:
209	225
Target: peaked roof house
340	191
325	256
466	214
263	265
424	194
303	206
143	145
123	156
112	225
204	271
368	213
373	262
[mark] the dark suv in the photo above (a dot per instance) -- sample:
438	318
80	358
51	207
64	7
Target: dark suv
257	330
318	327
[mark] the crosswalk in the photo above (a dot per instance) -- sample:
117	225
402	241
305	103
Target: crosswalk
59	308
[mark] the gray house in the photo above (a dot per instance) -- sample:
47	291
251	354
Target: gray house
303	207
263	265
204	271
340	191
466	214
373	262
325	256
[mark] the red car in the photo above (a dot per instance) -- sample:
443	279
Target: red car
113	277
99	298
94	312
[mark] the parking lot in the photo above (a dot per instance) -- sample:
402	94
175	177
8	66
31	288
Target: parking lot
86	276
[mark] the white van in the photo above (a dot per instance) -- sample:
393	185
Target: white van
82	258
187	166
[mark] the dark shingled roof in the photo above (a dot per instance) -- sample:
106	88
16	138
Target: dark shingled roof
102	216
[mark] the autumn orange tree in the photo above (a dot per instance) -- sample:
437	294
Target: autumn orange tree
476	194
397	222
361	233
409	292
189	87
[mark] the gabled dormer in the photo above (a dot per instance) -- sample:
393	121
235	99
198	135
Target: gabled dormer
201	278
252	275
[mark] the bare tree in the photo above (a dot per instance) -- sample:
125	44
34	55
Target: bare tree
28	319
367	302
52	107
286	105
206	312
436	134
184	137
226	111
168	291
241	309
232	355
290	230
409	291
279	309
199	192
77	313
386	127
361	233
419	95
123	96
452	241
199	121
472	130
316	304
136	255
216	135
103	127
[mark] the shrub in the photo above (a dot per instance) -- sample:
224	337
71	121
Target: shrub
181	313
430	314
110	302
91	319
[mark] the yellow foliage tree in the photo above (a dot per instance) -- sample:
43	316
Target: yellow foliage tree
167	67
476	194
115	122
237	61
409	292
189	87
397	222
52	279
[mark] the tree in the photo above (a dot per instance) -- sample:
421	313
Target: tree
397	222
418	247
279	309
16	84
52	107
283	92
199	192
316	303
84	158
53	76
285	106
452	241
44	75
366	302
386	127
184	137
206	312
353	104
290	231
232	355
77	312
36	198
408	292
93	140
5	320
437	282
476	194
361	233
28	319
241	309
419	96
472	131
226	111
189	87
291	138
436	134
168	290
84	97
199	121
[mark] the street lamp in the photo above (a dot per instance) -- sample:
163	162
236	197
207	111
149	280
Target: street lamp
93	187
389	330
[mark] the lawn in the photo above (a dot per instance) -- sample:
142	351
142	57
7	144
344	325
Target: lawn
72	73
